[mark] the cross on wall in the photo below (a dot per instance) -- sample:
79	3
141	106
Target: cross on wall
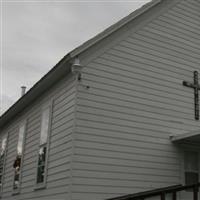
196	88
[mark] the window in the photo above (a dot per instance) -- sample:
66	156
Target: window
18	160
43	147
2	159
191	168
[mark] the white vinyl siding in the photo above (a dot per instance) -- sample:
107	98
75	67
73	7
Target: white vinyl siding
60	146
135	102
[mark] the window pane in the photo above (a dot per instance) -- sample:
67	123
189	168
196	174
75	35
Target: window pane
40	175
2	158
41	164
16	178
191	161
44	126
3	145
17	162
1	181
41	167
20	140
191	178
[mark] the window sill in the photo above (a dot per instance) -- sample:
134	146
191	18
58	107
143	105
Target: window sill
40	186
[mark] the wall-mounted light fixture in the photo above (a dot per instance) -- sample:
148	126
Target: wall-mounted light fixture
76	68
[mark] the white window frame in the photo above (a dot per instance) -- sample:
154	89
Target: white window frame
4	162
42	185
17	190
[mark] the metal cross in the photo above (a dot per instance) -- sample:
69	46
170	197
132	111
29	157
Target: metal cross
196	88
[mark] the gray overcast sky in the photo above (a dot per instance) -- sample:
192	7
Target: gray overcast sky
35	35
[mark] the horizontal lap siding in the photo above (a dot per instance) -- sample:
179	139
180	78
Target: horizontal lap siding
135	102
60	147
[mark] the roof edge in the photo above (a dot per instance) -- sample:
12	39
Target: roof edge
38	88
180	137
114	28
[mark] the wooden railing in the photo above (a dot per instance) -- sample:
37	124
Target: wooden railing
162	193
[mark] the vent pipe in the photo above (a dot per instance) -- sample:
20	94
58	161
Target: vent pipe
23	90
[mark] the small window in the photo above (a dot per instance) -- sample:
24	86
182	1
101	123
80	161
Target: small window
191	168
2	159
18	160
43	148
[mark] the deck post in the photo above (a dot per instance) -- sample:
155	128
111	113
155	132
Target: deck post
162	196
195	193
174	196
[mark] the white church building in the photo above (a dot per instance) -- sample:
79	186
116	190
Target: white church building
116	118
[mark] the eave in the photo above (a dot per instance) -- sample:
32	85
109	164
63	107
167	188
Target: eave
192	137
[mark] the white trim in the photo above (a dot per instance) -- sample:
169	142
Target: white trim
73	136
